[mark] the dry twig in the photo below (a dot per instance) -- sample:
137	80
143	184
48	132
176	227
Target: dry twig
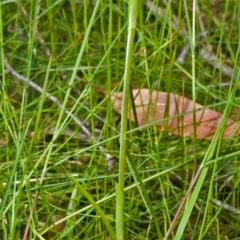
15	74
206	52
110	159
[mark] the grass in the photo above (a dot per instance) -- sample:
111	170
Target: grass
55	182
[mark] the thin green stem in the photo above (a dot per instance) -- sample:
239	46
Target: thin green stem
133	9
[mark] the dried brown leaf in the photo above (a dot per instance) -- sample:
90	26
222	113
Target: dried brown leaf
151	106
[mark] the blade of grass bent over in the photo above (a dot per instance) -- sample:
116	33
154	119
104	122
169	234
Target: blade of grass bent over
143	192
96	206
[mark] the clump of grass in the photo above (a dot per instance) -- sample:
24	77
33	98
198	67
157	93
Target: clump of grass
54	178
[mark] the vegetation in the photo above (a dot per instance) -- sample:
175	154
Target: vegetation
59	133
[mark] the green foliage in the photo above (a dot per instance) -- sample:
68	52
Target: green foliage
54	177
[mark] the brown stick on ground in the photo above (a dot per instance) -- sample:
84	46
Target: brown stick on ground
110	158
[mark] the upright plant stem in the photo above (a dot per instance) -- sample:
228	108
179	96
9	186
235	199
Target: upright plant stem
133	9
